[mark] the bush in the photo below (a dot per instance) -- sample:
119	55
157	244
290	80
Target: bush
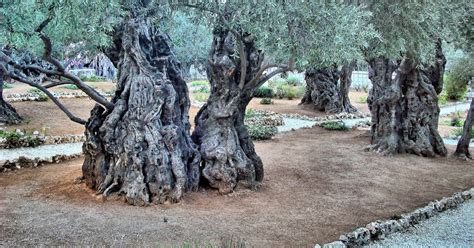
291	93
93	78
456	122
456	81
201	96
442	99
335	125
266	101
264	92
458	132
261	132
42	97
294	80
71	87
7	86
199	83
16	140
202	90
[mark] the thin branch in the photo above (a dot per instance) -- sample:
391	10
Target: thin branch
243	64
18	78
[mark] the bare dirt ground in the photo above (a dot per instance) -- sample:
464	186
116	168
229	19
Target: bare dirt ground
318	184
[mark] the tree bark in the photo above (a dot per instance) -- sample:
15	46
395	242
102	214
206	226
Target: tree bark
8	114
142	149
345	81
322	90
462	149
229	157
405	110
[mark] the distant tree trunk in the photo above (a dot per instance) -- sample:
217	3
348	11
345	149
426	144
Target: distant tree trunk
142	149
228	154
8	114
322	90
345	85
462	149
405	110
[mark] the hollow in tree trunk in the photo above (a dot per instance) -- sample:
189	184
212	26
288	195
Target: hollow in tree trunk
345	81
322	90
462	149
228	154
8	114
142	148
405	110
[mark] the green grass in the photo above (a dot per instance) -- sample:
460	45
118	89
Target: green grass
201	96
458	132
362	99
71	87
199	83
93	78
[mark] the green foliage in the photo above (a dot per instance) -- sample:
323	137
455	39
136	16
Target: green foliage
457	79
266	101
201	96
15	140
362	99
88	22
335	125
456	122
200	83
42	97
261	132
93	78
264	91
7	86
294	80
443	99
202	90
459	131
71	87
249	113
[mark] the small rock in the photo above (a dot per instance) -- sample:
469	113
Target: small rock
335	244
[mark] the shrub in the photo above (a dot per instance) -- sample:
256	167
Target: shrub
362	99
71	87
294	80
42	97
291	93
7	86
456	81
261	132
202	90
266	101
458	132
201	96
442	99
93	78
15	140
199	83
335	125
249	113
456	122
264	92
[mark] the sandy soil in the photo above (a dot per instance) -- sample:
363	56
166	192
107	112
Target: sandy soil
318	184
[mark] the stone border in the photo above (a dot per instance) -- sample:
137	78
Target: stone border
377	230
23	97
24	162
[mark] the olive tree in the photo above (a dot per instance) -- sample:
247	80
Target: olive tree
294	35
138	144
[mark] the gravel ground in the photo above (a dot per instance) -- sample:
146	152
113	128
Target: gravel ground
41	152
453	228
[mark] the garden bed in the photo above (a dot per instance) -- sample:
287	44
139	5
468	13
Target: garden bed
318	185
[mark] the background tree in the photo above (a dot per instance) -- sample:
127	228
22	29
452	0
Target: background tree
191	40
138	144
406	70
295	36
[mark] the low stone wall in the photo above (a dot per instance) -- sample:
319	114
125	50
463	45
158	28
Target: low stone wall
379	229
23	97
333	117
24	162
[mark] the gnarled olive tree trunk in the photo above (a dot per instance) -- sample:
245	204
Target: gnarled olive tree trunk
462	149
228	154
322	90
142	149
405	110
8	114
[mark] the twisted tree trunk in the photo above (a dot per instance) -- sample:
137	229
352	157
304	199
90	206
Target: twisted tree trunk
405	110
228	154
462	149
345	81
322	90
8	114
142	149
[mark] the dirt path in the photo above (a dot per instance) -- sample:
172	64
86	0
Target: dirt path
318	184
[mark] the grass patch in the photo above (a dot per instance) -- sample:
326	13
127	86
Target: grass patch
7	86
199	83
362	99
201	96
71	87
